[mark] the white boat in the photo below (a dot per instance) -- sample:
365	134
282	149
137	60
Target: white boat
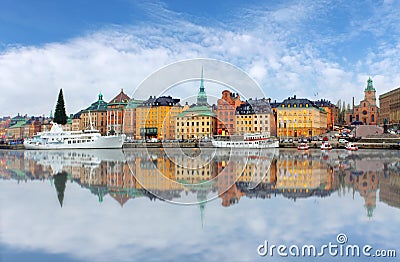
351	147
248	141
326	146
56	138
303	146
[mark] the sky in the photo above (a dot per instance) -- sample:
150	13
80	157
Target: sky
310	48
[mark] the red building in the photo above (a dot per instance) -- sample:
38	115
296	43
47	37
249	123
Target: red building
226	107
115	113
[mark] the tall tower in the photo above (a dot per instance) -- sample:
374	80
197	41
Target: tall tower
201	96
369	92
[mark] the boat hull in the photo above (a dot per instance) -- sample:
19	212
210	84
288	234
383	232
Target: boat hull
242	144
107	142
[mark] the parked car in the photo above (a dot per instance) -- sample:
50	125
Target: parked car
290	140
342	140
325	138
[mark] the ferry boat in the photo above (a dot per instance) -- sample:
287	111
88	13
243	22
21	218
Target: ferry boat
248	141
56	138
326	146
302	146
351	147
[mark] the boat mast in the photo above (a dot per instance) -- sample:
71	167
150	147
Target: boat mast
90	122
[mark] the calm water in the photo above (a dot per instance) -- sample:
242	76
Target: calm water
156	205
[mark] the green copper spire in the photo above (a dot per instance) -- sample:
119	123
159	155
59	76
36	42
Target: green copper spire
370	86
100	96
202	97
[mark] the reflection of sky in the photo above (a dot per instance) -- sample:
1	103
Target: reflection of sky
32	222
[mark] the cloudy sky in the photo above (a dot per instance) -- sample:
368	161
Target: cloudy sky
315	49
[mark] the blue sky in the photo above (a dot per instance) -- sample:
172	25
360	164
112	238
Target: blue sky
288	47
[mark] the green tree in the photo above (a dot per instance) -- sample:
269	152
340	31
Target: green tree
60	117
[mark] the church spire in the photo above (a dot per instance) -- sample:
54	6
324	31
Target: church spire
202	97
370	86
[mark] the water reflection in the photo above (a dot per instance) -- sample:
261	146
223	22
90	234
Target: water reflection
154	175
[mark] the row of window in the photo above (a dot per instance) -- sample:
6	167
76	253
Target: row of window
193	123
203	129
295	105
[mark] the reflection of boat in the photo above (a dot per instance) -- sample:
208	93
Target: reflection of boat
326	146
249	141
302	146
351	147
56	138
57	159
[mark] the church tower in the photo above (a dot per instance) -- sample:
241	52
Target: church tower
201	96
369	93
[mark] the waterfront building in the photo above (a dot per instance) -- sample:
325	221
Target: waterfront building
129	123
154	117
115	113
198	121
389	103
16	131
255	116
97	117
226	108
76	121
32	126
367	112
297	117
332	112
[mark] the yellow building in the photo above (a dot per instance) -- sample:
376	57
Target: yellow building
197	121
300	117
154	118
255	117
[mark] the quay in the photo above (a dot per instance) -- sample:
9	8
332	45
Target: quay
362	144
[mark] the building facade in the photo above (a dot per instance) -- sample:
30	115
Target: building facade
367	112
129	123
390	107
332	112
226	111
115	113
198	121
300	118
95	115
154	117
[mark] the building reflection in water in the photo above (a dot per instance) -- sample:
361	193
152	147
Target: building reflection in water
227	175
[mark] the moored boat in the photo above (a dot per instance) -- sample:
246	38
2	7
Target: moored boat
248	141
56	138
302	146
326	146
351	146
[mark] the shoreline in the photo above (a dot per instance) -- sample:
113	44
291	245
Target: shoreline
312	145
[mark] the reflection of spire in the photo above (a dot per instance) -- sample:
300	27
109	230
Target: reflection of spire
60	181
202	199
202	206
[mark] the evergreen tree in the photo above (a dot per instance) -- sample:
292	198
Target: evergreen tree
60	117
